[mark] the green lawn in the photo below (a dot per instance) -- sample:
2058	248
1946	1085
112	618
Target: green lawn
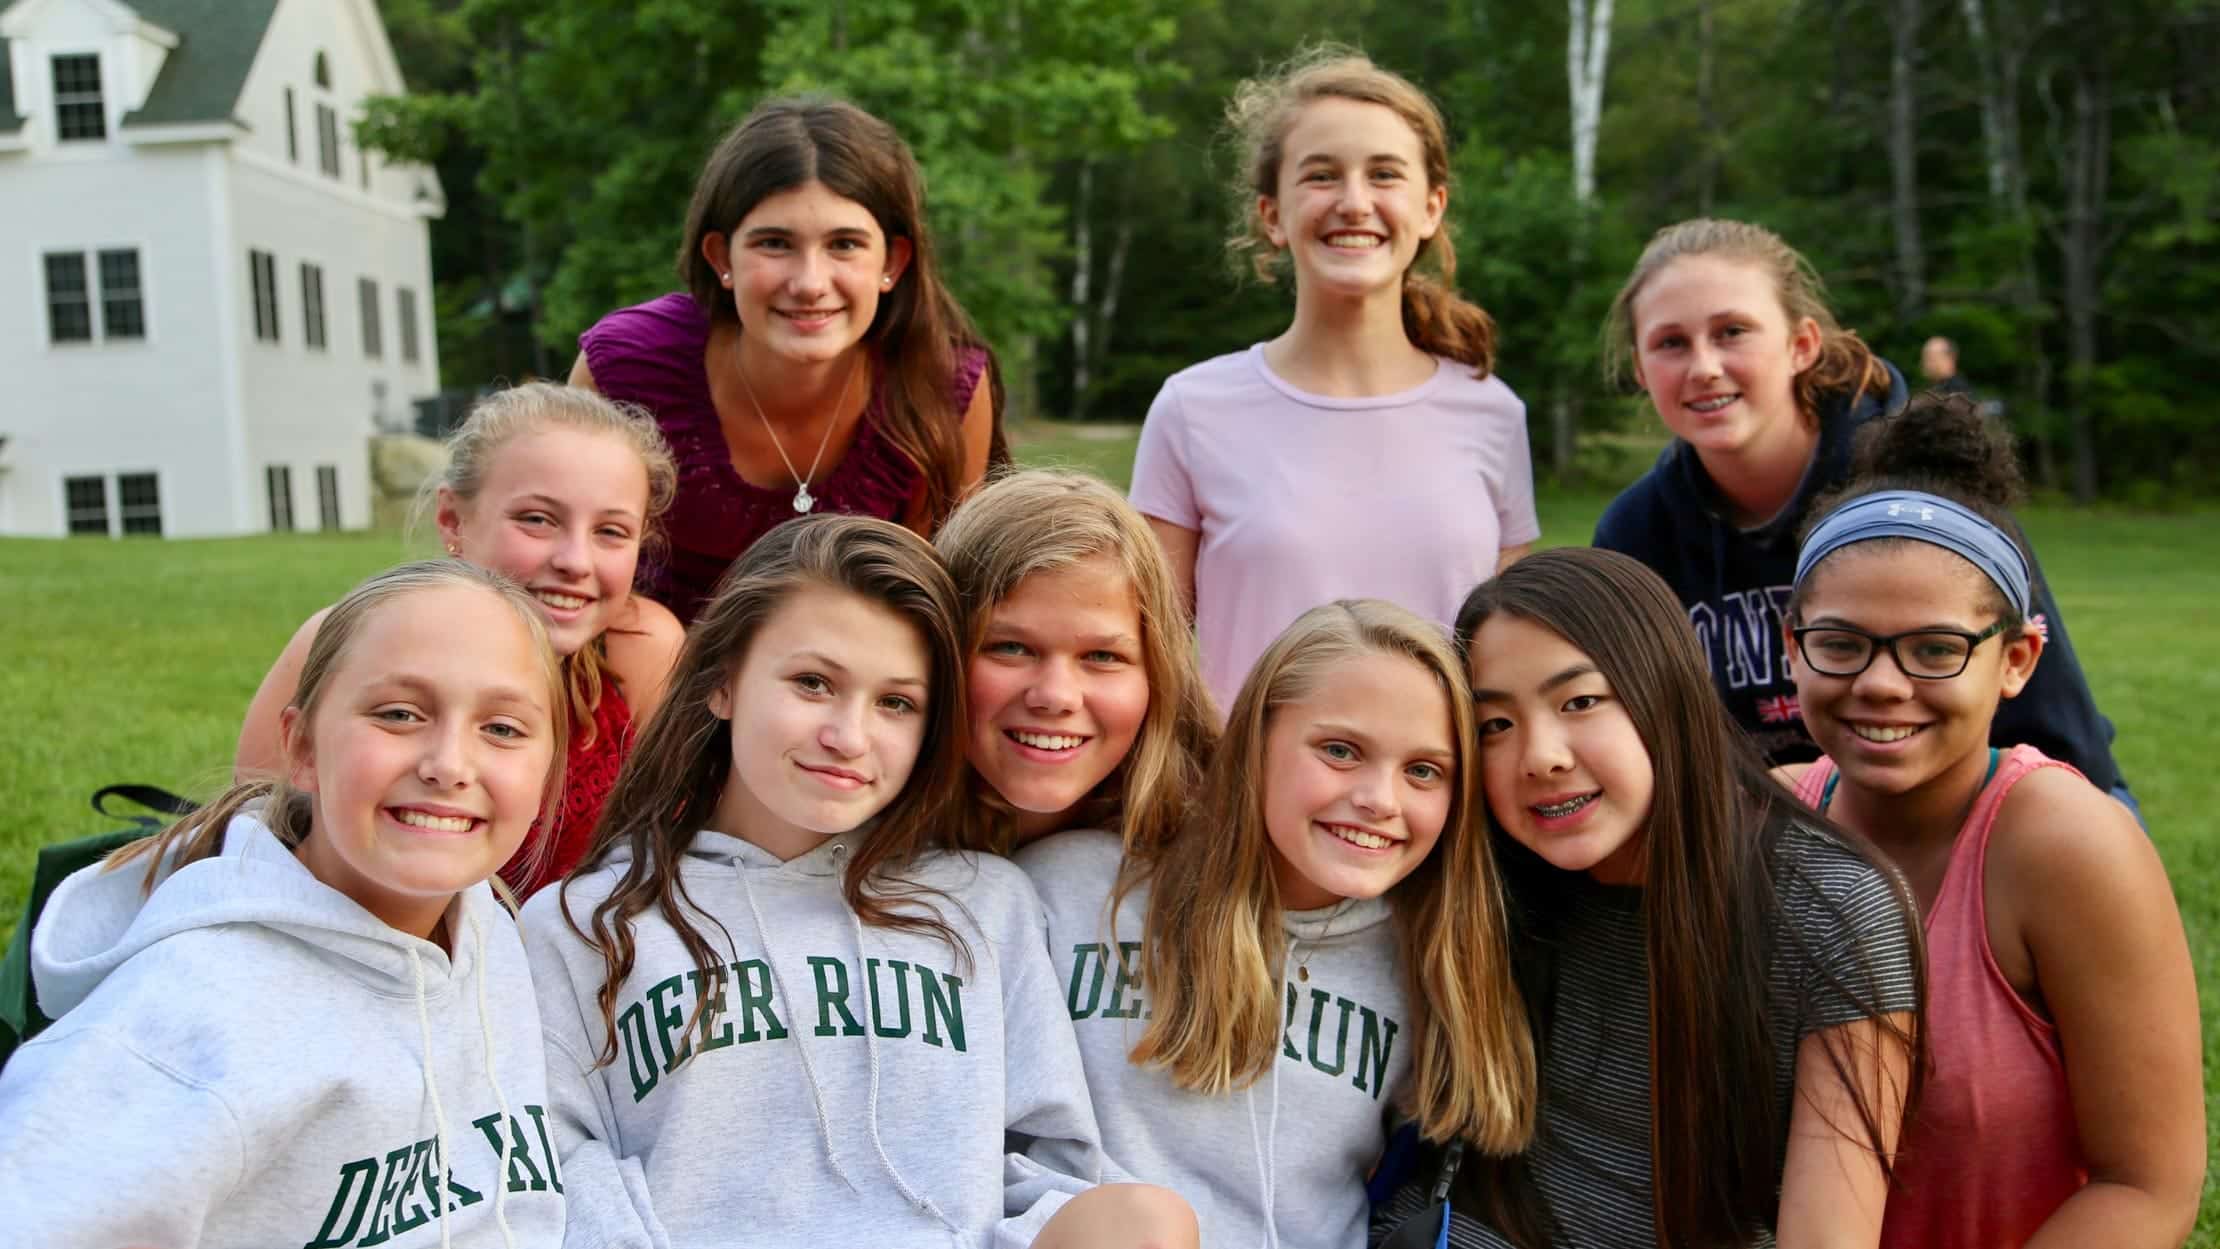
133	661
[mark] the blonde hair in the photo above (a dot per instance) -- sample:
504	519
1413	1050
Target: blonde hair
535	407
1259	116
1214	932
1048	520
1845	364
289	813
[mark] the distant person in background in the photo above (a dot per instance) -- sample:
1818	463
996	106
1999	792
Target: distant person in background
1938	362
1368	451
814	361
1727	329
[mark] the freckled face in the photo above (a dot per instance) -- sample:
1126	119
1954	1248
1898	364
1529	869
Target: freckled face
1564	769
1357	781
1717	354
1058	689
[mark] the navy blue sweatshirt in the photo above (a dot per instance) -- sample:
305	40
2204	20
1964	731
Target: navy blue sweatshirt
1736	583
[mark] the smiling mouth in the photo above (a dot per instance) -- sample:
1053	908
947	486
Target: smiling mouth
1885	733
1363	839
1559	810
1713	404
431	823
1354	241
1045	741
807	314
561	601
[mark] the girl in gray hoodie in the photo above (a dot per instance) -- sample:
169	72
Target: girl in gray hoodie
1317	945
774	1010
300	1017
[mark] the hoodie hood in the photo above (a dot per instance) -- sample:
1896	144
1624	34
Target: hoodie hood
96	919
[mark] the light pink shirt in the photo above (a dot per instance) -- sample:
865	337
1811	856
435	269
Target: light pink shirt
1300	499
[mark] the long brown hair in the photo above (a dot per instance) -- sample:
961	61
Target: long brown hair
919	327
1046	520
677	771
1846	366
289	813
500	419
1214	931
1263	109
1711	909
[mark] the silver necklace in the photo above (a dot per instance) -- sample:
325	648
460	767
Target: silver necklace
803	500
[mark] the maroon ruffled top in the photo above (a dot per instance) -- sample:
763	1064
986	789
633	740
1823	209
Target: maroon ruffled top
589	773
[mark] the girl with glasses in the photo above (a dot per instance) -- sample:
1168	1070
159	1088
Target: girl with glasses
2064	1105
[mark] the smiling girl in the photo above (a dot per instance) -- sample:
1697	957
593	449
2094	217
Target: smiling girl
814	361
1368	451
766	949
1727	330
1320	944
557	489
191	1092
1086	708
1722	991
2064	1014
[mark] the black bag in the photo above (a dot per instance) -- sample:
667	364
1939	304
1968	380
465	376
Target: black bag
20	1019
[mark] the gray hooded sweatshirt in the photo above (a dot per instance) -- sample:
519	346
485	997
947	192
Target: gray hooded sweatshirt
248	1058
1280	1164
843	1084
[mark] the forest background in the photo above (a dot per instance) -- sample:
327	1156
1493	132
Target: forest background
2037	179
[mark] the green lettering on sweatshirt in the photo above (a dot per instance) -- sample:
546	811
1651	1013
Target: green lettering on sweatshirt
712	1031
901	972
547	1147
755	1000
944	1007
669	1019
418	1214
639	1060
832	994
1373	1050
389	1187
524	1174
1084	955
1129	957
359	1178
1318	1001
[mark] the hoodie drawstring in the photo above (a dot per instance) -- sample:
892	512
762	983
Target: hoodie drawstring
439	1113
1268	1149
809	1069
871	1047
500	1099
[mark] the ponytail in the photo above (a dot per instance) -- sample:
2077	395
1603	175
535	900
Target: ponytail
1440	322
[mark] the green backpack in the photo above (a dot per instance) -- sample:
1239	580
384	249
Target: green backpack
20	1018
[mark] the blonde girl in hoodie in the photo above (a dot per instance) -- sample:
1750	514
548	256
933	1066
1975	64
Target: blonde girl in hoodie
773	1010
1087	710
1320	945
300	1016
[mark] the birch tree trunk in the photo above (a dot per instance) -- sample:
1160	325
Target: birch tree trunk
1707	112
1911	253
1587	53
2081	247
1082	276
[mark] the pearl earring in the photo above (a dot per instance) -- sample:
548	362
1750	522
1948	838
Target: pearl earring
886	283
452	549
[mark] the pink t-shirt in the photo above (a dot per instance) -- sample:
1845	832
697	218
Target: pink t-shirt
1300	499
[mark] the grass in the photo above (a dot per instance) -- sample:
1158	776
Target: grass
134	660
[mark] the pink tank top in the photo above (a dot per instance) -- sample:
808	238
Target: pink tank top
1994	1149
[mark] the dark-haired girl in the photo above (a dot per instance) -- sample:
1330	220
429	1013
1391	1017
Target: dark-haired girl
1369	451
1722	990
1727	329
2065	1102
814	361
772	1011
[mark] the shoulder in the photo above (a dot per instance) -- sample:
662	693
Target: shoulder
2060	842
670	327
1629	520
974	363
546	920
1830	892
1078	852
991	890
644	632
1490	395
1207	379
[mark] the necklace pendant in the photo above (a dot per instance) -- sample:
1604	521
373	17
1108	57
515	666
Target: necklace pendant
802	500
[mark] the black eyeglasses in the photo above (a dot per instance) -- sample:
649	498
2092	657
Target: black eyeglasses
1429	1228
1928	654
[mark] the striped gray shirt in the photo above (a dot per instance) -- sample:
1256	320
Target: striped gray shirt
1591	1156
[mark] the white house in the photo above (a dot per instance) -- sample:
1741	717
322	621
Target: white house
210	297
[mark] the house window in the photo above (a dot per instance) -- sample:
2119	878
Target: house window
262	269
87	502
68	299
406	299
141	498
327	139
312	304
122	307
292	129
373	339
327	495
78	111
279	479
323	71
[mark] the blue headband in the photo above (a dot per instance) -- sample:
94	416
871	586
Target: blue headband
1922	518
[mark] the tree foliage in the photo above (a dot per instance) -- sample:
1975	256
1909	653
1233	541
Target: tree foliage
2063	176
